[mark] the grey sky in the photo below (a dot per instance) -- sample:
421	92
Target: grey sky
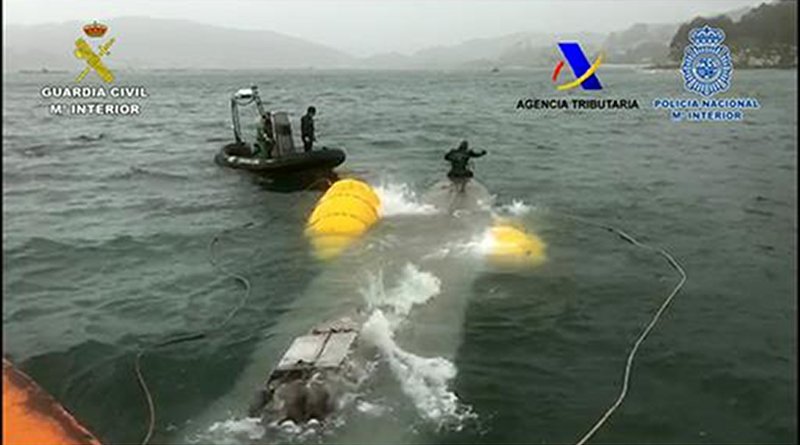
363	27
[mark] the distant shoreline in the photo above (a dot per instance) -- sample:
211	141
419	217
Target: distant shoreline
42	71
658	67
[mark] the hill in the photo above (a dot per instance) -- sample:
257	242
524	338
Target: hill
764	37
147	43
641	43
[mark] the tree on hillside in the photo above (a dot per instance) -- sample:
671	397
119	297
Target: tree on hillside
681	38
764	36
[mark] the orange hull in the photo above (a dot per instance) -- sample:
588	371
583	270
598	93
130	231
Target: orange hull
32	417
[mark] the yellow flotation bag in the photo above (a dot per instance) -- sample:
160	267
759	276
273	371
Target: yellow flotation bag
507	245
32	417
347	210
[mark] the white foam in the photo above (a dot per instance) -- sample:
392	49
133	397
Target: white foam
440	253
371	409
486	204
425	380
234	431
479	246
518	208
414	287
399	199
485	243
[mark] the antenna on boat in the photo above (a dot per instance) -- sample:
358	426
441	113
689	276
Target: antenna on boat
244	96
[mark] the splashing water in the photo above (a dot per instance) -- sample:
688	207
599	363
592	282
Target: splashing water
233	431
251	430
518	208
399	199
424	380
415	287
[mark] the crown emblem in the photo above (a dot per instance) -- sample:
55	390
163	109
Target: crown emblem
95	29
706	36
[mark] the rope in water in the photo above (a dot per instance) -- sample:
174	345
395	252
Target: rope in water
629	362
247	286
201	334
192	336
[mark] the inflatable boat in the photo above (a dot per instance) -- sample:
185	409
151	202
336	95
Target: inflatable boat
240	156
274	152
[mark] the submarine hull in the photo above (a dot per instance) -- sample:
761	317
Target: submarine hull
403	263
461	194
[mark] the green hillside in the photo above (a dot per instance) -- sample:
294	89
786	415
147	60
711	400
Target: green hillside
764	37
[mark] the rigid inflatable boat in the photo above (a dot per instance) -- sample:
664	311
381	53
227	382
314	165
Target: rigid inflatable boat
239	156
274	153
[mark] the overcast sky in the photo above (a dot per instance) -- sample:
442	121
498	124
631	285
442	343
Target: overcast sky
365	27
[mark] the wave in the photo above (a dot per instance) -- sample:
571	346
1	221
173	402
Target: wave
399	199
219	139
89	138
41	248
135	172
517	208
35	151
415	287
128	139
425	380
35	245
231	431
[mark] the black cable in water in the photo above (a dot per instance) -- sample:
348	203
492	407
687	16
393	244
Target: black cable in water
200	334
190	336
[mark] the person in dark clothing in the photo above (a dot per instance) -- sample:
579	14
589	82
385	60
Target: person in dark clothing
264	140
307	129
459	160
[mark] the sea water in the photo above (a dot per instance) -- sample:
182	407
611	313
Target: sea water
107	221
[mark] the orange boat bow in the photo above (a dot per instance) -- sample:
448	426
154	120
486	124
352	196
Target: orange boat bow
32	417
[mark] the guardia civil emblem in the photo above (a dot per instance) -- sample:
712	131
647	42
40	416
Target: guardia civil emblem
93	60
707	66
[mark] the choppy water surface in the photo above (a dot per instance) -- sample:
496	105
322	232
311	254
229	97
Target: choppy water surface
107	223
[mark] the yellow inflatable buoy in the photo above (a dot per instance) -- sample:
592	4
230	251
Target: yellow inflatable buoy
507	245
347	210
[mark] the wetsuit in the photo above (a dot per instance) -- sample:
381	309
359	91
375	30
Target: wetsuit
307	131
459	158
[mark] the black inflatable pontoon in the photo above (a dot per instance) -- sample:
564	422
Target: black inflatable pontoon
239	156
281	157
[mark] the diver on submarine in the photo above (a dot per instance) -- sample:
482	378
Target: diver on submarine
459	162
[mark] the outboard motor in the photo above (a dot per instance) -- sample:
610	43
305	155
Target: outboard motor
282	131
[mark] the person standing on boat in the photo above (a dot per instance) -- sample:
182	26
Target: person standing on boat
264	140
307	129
